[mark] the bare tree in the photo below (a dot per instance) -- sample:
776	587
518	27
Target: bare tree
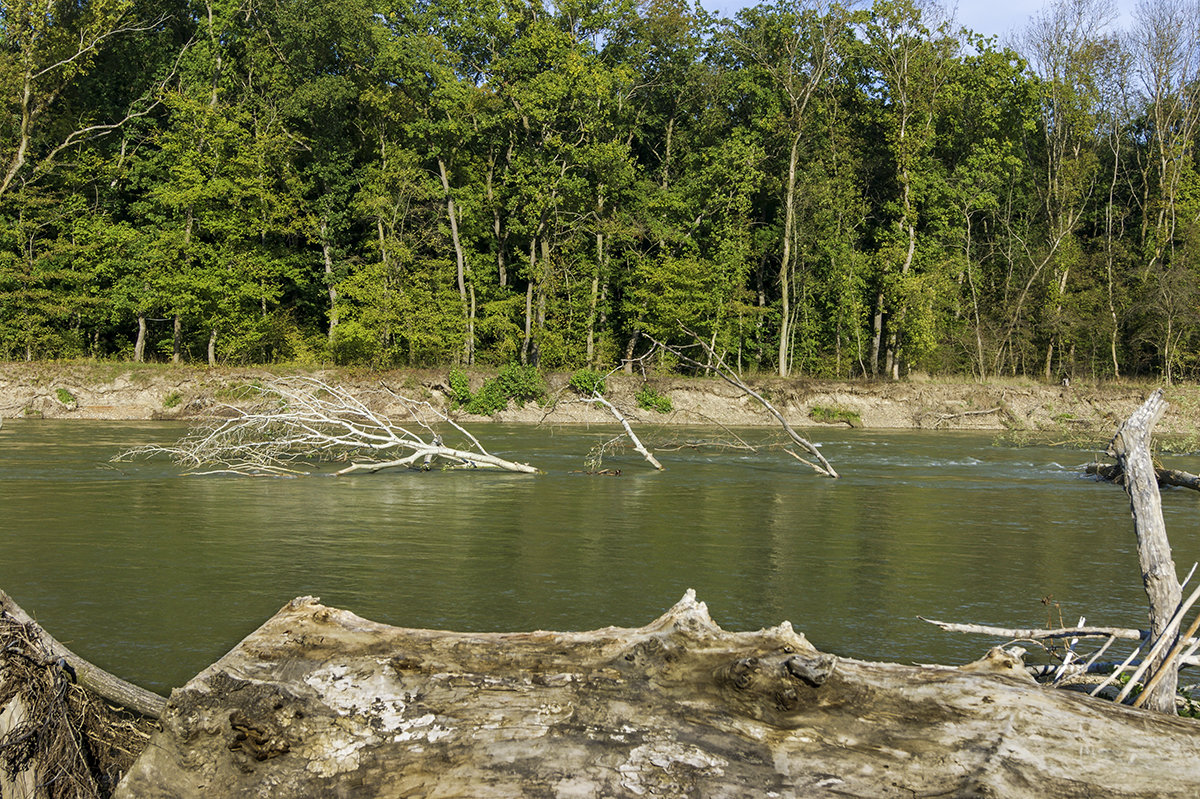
1166	36
1069	48
299	420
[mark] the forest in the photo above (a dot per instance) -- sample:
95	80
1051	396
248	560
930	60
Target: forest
811	189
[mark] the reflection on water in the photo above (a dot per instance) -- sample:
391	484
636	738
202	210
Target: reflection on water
154	575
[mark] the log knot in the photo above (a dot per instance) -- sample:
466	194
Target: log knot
813	671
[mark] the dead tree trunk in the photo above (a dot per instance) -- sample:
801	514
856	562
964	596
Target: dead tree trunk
1131	448
320	702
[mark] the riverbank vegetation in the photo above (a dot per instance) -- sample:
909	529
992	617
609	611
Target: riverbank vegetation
810	189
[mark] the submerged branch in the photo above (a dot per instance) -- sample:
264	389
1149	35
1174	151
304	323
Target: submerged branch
725	372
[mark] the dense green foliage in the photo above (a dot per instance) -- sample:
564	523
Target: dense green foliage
404	182
650	400
516	382
587	382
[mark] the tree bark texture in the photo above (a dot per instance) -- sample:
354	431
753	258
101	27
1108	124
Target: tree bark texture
319	702
1131	448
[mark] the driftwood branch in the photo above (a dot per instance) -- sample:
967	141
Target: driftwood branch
1169	661
95	679
596	398
1166	477
1040	634
302	419
729	375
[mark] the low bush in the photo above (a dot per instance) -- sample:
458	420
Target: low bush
587	382
828	415
515	382
651	400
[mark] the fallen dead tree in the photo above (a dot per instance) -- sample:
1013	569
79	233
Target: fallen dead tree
1173	478
716	363
299	420
320	702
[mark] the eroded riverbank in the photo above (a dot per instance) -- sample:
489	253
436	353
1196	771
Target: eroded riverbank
120	391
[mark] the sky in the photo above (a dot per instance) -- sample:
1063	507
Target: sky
989	17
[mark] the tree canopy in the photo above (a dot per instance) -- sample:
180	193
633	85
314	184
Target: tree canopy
811	188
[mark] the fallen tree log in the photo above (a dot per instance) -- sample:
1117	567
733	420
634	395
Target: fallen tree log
1175	478
320	702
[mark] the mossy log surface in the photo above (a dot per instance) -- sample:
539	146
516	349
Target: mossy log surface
319	702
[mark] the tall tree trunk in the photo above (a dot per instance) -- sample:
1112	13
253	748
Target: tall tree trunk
893	347
212	347
177	340
594	296
535	353
629	349
497	224
461	263
876	333
785	265
529	302
139	346
327	254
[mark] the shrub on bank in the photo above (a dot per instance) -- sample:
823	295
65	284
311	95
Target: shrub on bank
516	383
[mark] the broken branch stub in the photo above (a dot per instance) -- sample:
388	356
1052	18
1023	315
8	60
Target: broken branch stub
303	419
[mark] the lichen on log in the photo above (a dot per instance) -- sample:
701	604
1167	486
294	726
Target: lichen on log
320	702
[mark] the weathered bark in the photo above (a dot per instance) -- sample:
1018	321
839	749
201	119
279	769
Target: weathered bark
319	702
1131	448
95	679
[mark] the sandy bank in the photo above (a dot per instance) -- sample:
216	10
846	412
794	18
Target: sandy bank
132	391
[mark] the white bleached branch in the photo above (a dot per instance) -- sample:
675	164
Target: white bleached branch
303	419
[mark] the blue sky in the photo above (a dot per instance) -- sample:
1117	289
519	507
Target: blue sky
991	17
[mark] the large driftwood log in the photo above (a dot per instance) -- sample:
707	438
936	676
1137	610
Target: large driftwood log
319	702
1131	447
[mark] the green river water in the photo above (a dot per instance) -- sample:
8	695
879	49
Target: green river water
153	575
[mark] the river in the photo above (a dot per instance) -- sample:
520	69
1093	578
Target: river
153	575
